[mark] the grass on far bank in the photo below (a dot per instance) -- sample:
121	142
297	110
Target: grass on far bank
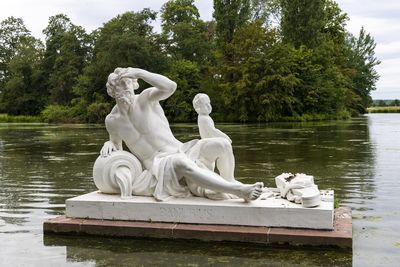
53	116
343	115
390	109
20	118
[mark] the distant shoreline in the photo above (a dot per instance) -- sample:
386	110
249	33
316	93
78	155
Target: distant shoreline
5	118
389	109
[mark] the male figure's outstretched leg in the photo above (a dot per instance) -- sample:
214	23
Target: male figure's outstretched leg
184	167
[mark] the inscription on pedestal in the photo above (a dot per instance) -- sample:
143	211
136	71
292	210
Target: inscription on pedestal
186	213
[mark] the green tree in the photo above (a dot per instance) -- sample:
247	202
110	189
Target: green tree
311	23
68	48
335	22
303	22
23	91
127	40
189	44
267	11
361	64
186	35
265	74
381	103
319	27
229	15
12	31
186	74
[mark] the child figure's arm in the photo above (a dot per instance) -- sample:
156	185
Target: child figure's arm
207	128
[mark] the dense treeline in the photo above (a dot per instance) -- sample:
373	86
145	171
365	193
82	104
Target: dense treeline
386	103
259	60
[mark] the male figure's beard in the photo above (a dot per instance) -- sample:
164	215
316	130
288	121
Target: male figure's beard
125	97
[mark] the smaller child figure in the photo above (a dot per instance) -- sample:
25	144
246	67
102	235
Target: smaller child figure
202	105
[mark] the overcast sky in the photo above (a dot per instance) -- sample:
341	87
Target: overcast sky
380	18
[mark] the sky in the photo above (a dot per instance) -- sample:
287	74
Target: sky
380	18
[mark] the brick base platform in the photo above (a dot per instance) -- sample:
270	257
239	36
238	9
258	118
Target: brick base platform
340	236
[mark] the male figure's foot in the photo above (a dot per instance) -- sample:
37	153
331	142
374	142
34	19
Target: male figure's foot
252	191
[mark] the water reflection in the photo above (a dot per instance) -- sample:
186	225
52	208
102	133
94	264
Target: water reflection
36	174
41	166
338	154
141	252
376	218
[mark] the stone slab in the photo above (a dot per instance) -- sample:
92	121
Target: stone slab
269	212
340	236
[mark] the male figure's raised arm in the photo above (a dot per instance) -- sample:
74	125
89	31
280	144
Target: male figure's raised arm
163	87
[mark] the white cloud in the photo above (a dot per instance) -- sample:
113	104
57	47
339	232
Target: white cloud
388	50
90	14
389	80
382	20
371	8
382	29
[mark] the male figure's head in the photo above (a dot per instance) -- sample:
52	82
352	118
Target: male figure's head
121	88
202	105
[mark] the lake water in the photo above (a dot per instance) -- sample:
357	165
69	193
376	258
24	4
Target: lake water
41	166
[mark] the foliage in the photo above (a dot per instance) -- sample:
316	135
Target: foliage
188	42
336	202
187	76
126	40
229	15
12	32
267	11
264	77
385	103
362	62
67	50
303	22
318	26
258	61
97	112
185	35
21	88
57	114
5	118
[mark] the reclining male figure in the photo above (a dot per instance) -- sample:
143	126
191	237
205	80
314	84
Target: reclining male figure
139	121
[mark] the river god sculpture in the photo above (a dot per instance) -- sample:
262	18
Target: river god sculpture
159	165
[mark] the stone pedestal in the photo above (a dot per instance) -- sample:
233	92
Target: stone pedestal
267	212
340	236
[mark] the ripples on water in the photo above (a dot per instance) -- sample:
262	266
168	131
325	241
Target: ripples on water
36	176
41	166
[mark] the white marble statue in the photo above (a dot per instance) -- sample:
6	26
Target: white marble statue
202	105
171	168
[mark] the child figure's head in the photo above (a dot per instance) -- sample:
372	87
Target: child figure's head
202	105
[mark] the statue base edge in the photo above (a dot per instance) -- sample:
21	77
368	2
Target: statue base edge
340	236
271	211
